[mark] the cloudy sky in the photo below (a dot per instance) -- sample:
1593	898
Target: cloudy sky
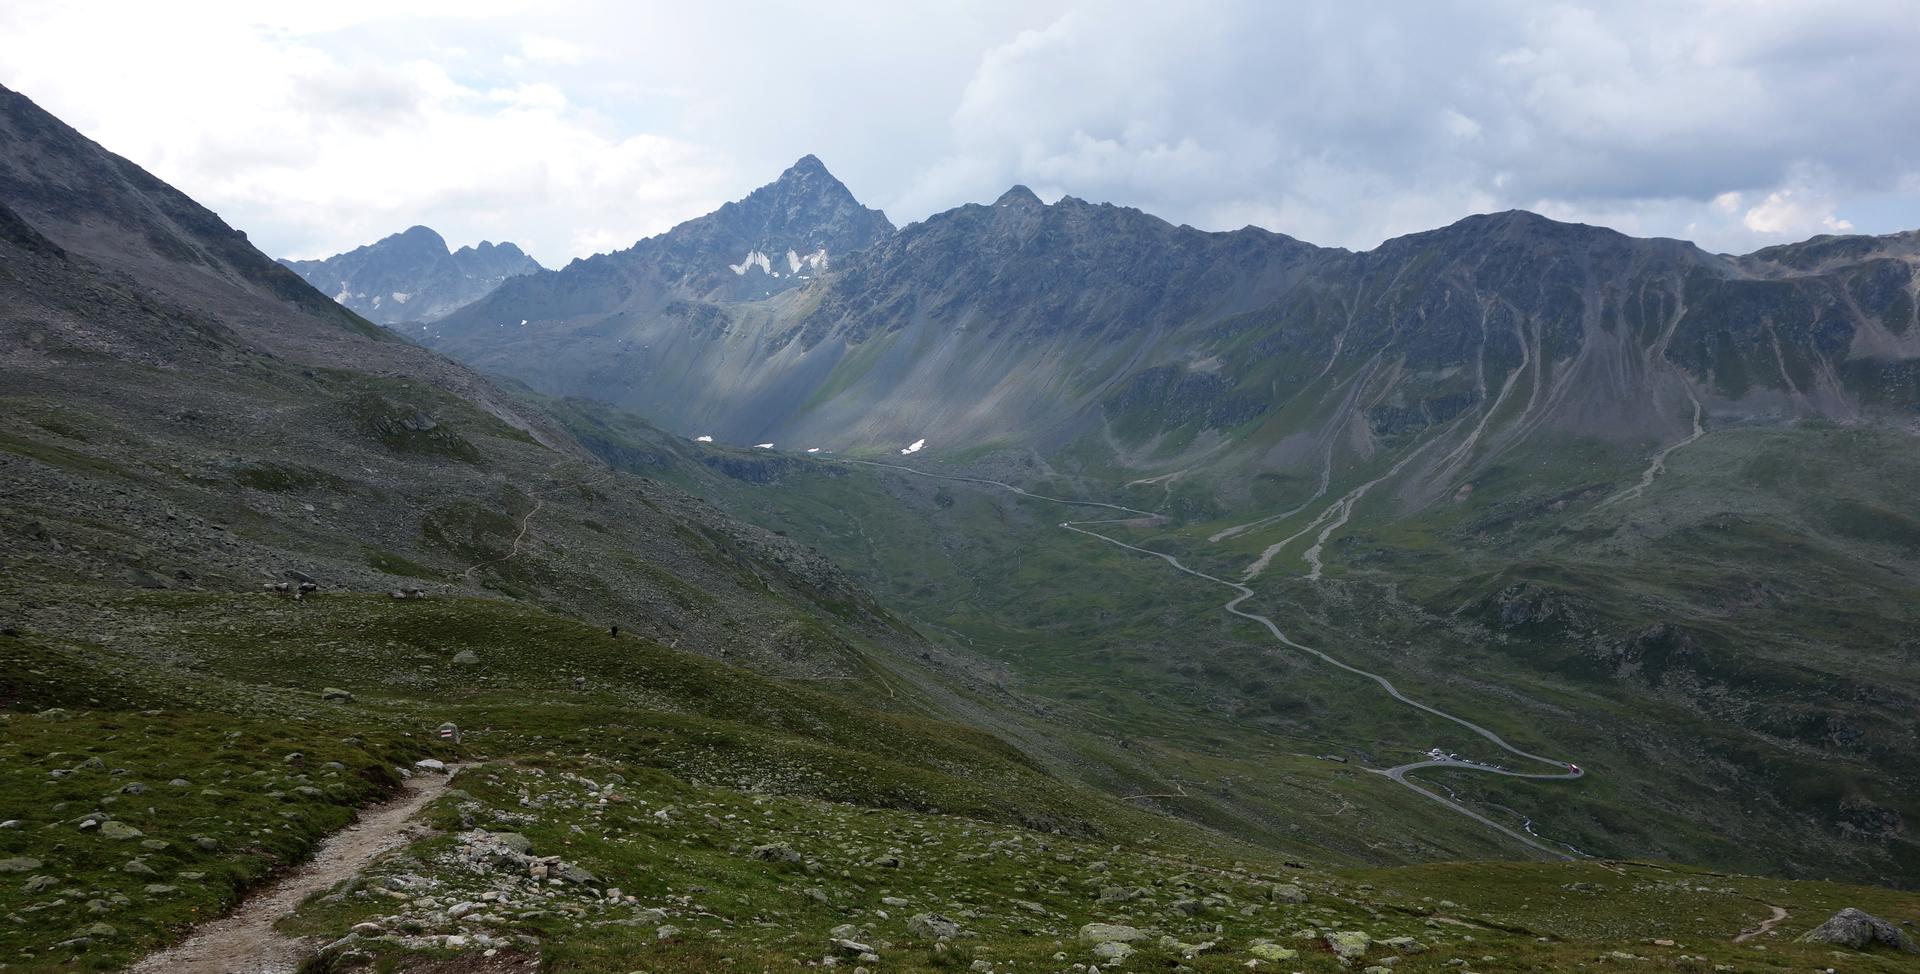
573	128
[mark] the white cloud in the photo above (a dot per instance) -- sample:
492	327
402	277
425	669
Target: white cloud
553	50
582	127
1792	212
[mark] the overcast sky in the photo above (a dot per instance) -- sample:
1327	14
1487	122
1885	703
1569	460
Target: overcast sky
573	128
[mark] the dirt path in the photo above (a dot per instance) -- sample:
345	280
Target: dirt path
525	522
1779	915
244	941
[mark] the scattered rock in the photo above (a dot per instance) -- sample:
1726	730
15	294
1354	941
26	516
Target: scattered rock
1112	950
19	864
337	695
119	830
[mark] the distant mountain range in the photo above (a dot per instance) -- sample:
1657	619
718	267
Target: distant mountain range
1025	324
413	276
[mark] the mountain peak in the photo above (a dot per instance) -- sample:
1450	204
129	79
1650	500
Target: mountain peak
806	165
1018	195
412	275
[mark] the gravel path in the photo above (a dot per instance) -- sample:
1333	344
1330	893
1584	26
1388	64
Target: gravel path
1779	915
245	942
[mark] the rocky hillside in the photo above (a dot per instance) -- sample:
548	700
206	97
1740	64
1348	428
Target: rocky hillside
184	414
413	276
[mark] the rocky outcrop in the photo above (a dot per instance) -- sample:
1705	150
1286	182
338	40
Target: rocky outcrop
1861	931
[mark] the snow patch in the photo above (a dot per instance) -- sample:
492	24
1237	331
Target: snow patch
703	439
813	449
763	446
523	322
754	258
401	296
915	446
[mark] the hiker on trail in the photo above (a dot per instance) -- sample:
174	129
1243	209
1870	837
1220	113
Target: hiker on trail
613	631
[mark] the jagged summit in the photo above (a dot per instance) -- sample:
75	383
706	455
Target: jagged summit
805	166
412	276
781	236
1018	195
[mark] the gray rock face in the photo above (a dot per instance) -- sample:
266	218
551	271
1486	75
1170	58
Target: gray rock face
412	276
1861	931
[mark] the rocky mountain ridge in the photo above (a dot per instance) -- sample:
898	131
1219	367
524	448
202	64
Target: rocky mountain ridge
413	276
1025	324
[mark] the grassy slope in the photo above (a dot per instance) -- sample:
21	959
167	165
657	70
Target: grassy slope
1148	676
699	764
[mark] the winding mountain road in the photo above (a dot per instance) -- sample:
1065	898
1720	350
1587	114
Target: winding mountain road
1566	771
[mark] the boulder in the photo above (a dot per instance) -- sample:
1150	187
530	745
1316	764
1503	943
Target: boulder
1112	950
775	852
1103	932
1272	952
118	830
577	875
1408	945
512	842
431	764
337	695
1860	930
1348	944
1286	893
932	926
19	864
